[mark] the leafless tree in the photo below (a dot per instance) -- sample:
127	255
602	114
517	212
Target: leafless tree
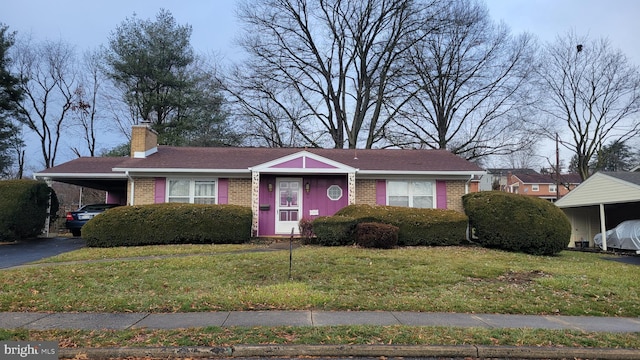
593	92
85	106
469	90
524	159
17	147
334	57
48	80
271	116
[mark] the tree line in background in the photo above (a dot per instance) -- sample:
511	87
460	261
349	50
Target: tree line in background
328	73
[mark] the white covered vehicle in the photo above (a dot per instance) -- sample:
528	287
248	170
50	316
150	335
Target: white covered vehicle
625	236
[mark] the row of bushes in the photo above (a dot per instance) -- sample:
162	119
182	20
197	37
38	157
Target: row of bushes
23	208
497	219
169	223
424	227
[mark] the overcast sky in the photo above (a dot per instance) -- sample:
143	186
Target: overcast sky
87	24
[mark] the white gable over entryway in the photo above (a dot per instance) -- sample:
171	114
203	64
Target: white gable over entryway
304	162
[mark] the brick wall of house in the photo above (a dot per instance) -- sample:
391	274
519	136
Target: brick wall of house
455	191
366	192
240	192
144	192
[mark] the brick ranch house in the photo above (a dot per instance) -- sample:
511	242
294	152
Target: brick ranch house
544	186
281	185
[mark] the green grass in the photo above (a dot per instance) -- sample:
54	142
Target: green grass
445	279
184	278
336	335
144	251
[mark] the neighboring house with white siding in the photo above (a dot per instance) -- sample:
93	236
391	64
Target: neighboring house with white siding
600	203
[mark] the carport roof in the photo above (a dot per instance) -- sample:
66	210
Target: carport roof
604	188
92	172
87	166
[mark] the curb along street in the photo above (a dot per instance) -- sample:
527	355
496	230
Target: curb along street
420	351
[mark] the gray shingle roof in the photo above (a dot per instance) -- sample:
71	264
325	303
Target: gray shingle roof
229	158
549	178
631	177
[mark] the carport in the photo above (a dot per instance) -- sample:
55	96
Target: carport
91	172
601	202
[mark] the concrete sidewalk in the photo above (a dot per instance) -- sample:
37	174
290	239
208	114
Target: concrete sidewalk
121	321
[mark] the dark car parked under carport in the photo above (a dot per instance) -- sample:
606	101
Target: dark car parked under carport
76	219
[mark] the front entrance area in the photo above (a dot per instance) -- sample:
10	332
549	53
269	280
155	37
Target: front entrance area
288	205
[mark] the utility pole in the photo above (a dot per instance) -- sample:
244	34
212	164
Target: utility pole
558	167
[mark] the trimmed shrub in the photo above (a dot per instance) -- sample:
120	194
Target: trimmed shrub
23	208
305	225
417	227
376	235
333	231
169	223
517	222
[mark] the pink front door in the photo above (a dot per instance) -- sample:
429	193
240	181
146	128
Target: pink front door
288	205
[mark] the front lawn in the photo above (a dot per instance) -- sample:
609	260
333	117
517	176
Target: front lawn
212	278
247	277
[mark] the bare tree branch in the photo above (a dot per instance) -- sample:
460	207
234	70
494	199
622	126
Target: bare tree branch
333	57
469	91
48	80
594	91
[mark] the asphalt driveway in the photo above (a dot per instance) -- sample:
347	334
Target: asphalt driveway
627	259
22	252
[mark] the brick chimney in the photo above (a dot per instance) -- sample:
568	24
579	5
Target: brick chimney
144	141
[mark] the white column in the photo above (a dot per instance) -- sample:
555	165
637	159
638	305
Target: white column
603	228
351	187
255	201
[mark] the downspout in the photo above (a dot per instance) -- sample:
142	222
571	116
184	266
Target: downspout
133	187
466	184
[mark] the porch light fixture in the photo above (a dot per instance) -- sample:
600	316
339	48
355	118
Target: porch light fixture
307	187
270	187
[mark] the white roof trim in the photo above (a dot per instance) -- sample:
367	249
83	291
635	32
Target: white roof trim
438	172
114	175
298	171
180	170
